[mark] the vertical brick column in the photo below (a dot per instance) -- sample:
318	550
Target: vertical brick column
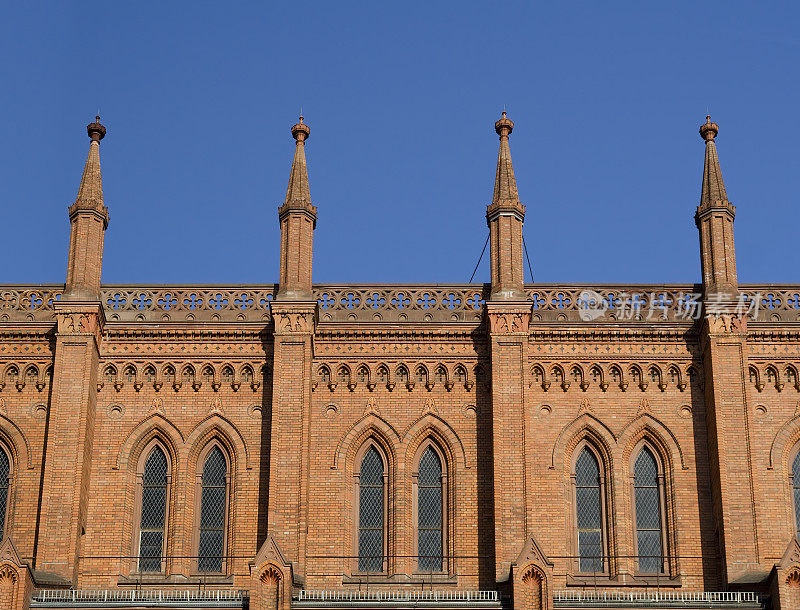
291	414
724	342
71	432
508	324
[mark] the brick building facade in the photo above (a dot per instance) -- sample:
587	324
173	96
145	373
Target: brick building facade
314	445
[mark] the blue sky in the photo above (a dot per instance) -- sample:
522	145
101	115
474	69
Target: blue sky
401	98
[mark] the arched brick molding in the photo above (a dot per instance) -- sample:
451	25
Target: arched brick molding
153	424
351	441
787	581
270	578
8	586
647	426
17	443
579	428
431	425
532	576
784	441
532	589
16	582
216	425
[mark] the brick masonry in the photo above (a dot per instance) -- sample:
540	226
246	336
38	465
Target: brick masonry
507	398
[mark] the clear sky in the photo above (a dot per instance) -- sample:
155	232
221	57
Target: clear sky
198	98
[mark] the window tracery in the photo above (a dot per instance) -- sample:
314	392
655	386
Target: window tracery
153	505
371	511
213	512
430	512
648	495
5	489
589	512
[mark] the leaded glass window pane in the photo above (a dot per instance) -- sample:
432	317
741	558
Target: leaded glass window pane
5	469
154	509
370	513
212	512
796	485
429	512
589	512
648	513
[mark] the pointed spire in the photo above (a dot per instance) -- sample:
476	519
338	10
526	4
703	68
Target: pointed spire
505	216
505	184
298	189
297	217
713	186
714	219
90	192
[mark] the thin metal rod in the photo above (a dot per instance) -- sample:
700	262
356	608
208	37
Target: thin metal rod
479	259
525	247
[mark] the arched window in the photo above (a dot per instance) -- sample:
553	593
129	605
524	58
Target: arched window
371	511
589	511
5	485
430	512
213	511
796	490
649	523
152	523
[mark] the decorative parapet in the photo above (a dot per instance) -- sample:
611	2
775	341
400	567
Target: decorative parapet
401	303
413	303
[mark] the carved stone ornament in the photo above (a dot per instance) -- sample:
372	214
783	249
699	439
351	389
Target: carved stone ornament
79	324
644	407
216	405
508	323
726	324
157	406
294	322
430	406
79	319
585	406
3	409
371	407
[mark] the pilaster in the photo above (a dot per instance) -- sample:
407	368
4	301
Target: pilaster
508	328
71	421
293	350
725	360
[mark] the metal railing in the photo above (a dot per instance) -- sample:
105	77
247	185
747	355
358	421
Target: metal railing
317	595
151	597
663	597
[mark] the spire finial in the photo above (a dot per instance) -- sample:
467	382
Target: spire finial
709	130
96	130
504	126
300	131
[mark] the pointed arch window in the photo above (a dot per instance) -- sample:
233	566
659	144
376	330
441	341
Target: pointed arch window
648	499
430	512
589	511
371	511
153	511
5	489
796	490
213	511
